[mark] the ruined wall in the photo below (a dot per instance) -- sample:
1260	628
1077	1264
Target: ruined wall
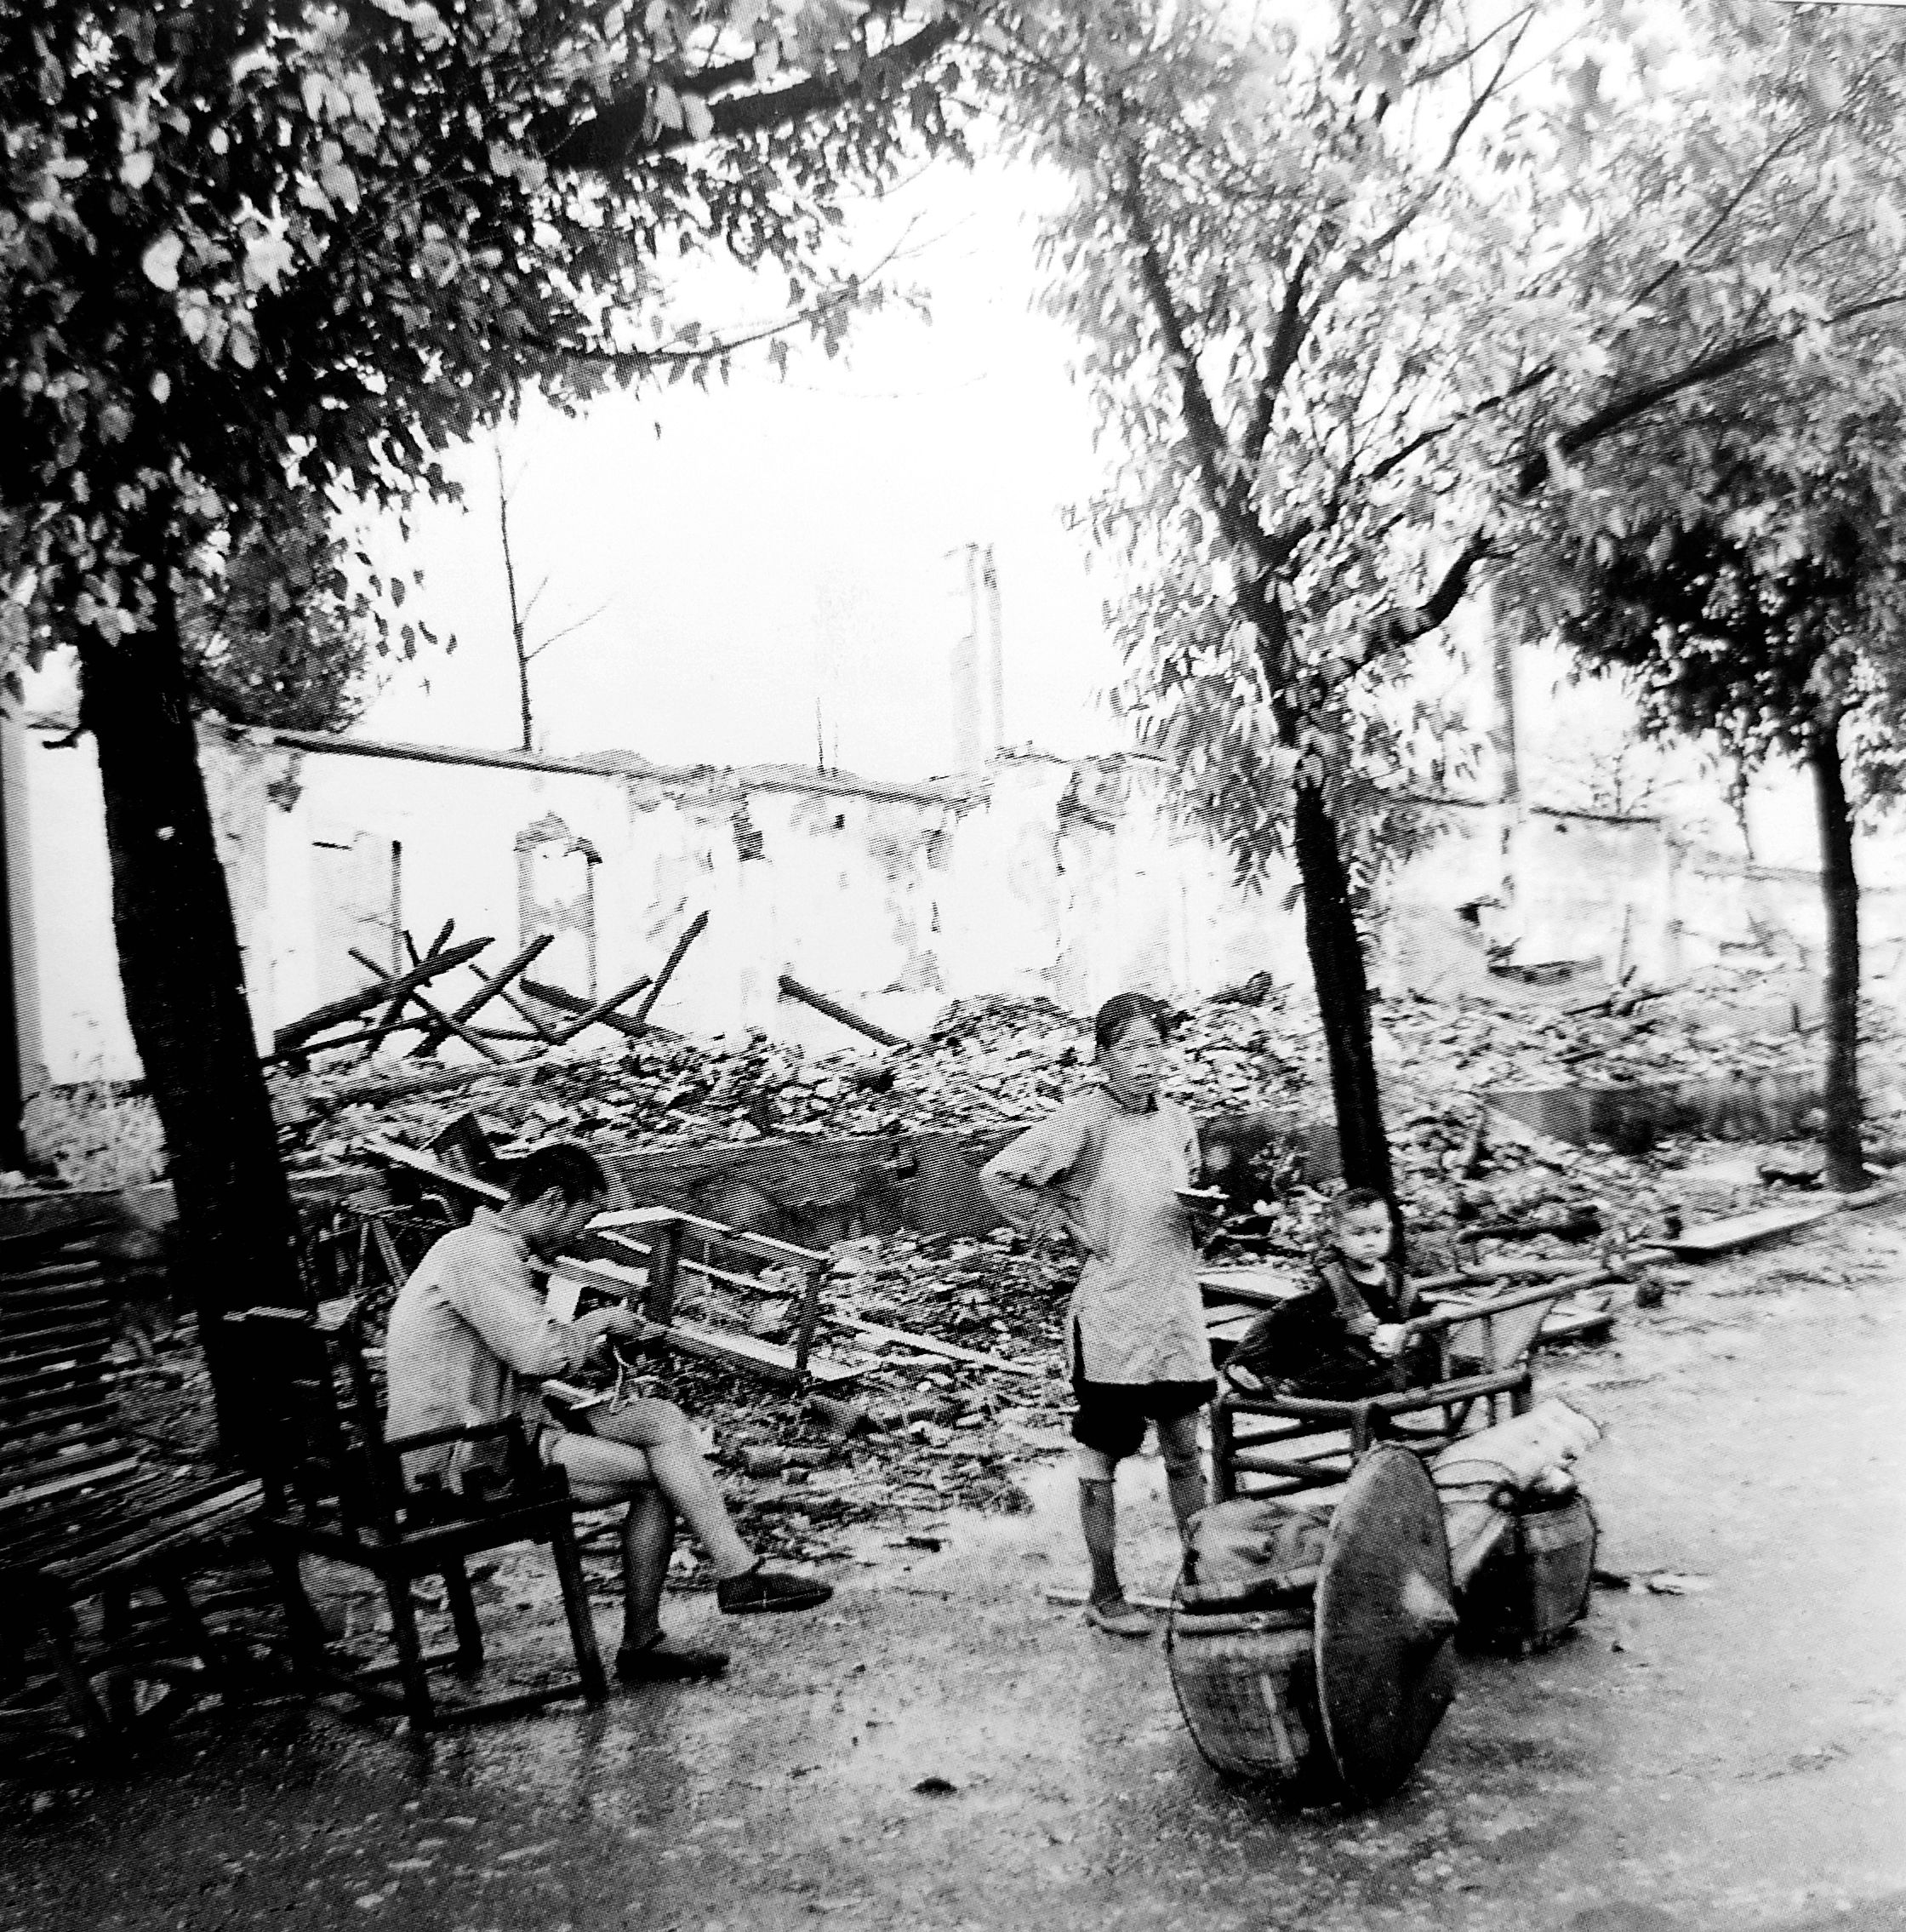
1045	877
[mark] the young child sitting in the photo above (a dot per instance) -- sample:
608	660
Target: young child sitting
1343	1338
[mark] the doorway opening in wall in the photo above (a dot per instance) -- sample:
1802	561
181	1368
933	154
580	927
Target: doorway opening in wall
556	893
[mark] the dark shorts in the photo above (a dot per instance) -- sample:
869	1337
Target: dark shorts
1111	1416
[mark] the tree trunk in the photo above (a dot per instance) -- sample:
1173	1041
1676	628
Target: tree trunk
184	981
1335	950
1846	1167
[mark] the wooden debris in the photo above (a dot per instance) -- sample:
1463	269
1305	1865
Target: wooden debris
301	1032
792	988
403	1086
690	935
565	1001
1057	1593
1581	1224
447	1020
602	1008
491	989
1740	1231
929	1345
1255	1281
771	1360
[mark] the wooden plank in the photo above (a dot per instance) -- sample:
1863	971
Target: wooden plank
68	1444
931	1344
14	1499
1738	1232
1264	1288
485	1190
146	1540
769	1358
46	1277
764	1245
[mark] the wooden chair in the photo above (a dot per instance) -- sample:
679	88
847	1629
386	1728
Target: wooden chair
1285	1442
88	1510
335	1488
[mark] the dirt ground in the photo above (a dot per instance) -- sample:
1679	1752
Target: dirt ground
1730	1757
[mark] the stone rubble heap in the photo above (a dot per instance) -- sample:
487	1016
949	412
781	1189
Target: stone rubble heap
996	1063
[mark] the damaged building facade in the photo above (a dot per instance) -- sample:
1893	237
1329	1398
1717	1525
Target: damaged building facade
1035	876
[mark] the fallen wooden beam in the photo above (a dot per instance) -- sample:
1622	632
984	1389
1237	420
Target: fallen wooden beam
931	1344
591	1014
792	989
367	1037
692	933
491	987
394	1012
403	1086
298	1032
565	1001
437	1012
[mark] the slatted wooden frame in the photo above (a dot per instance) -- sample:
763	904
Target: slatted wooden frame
1285	1443
335	1488
87	1509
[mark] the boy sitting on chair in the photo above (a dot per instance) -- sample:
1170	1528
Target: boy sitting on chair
1343	1338
470	1340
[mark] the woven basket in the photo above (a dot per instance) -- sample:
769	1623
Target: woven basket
1537	1582
1247	1685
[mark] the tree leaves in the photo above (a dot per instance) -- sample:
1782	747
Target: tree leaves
1472	251
302	244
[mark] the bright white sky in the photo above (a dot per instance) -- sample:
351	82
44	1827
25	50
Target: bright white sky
784	542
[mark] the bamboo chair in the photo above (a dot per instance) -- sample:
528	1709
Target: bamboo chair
1266	1442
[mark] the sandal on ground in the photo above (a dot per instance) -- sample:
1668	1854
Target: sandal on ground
1117	1618
758	1590
661	1662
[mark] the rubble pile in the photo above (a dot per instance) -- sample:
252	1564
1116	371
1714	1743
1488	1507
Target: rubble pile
994	1063
940	1434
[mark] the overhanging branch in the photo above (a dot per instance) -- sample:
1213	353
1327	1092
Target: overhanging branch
620	134
1533	470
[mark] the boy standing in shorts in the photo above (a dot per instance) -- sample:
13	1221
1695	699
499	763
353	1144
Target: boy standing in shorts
1108	1168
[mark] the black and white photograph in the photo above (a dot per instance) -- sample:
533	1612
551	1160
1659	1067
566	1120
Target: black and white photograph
953	965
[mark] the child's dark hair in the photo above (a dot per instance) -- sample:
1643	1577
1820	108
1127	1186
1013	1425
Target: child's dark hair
561	1167
1355	1200
1110	1022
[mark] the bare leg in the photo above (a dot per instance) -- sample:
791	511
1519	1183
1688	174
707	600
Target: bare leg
647	1537
675	1467
1099	1519
1184	1469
